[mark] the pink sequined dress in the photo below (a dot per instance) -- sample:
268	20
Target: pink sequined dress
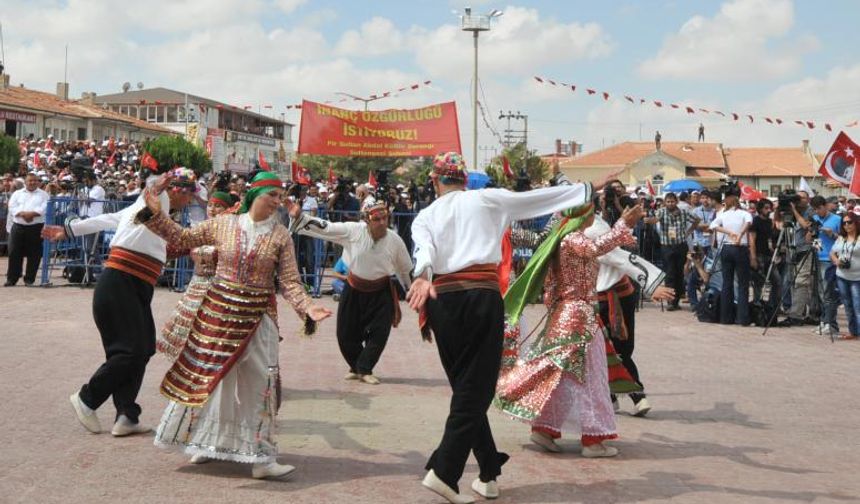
562	383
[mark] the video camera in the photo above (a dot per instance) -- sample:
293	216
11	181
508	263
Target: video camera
783	205
81	168
730	188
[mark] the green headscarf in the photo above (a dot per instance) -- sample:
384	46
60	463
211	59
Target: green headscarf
262	183
530	282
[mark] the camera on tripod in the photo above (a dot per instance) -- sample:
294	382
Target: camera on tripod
81	168
783	205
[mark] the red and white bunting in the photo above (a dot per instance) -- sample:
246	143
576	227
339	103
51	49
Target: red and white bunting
383	94
689	109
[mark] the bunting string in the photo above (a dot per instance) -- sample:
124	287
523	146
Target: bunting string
691	110
375	96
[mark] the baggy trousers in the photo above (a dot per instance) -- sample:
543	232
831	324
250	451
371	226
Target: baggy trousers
468	326
624	348
363	326
121	309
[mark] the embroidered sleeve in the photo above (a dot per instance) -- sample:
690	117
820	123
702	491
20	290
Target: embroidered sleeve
619	236
180	237
292	288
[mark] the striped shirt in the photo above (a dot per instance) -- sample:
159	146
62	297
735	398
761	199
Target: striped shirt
674	226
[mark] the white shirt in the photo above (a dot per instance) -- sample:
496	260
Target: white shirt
465	228
364	257
94	208
618	263
128	235
23	200
197	210
733	220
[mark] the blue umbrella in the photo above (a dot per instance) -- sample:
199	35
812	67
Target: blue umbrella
477	180
682	185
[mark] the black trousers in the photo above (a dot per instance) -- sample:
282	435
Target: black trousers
469	327
674	257
24	241
123	316
363	326
624	348
735	260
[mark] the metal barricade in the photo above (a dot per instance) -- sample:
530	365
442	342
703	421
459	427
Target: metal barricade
89	252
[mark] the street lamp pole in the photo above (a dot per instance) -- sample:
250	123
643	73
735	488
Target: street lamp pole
359	98
476	23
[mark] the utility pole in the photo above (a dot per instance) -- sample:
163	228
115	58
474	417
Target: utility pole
521	136
476	23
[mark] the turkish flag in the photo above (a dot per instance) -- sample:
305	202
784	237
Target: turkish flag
37	162
371	179
300	175
840	160
332	178
651	190
506	166
147	161
748	193
855	181
263	164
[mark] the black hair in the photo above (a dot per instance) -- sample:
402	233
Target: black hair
818	201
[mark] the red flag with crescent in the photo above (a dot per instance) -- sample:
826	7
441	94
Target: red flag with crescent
748	193
651	190
840	160
371	179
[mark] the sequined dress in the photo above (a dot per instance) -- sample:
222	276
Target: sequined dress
562	383
174	334
223	386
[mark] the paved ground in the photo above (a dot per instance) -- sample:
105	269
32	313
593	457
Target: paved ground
737	417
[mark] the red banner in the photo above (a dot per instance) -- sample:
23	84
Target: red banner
335	131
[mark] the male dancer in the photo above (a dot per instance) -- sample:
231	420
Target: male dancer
121	306
456	289
369	306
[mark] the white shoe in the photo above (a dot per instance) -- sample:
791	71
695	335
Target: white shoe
125	427
271	470
432	482
369	379
86	416
544	441
599	450
641	408
488	490
616	406
199	459
351	376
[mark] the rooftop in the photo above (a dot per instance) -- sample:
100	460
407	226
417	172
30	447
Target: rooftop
695	155
770	162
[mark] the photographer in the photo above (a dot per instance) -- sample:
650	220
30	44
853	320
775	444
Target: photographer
344	204
828	225
763	233
675	226
846	255
614	201
798	216
703	237
735	259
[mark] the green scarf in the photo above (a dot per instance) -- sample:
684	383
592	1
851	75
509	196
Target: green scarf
262	183
528	285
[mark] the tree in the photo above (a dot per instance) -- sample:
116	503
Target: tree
401	170
519	159
171	151
10	154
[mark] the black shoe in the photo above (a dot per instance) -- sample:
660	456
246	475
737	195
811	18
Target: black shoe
789	322
809	321
672	307
9	284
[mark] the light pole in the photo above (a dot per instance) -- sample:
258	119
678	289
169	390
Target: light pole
359	98
476	23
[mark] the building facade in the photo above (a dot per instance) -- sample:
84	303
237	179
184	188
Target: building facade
234	137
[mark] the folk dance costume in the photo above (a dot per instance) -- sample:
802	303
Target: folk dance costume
121	309
176	329
369	306
563	382
223	388
458	245
619	269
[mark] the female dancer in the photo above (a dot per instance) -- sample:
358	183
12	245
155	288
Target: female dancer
176	329
564	376
223	387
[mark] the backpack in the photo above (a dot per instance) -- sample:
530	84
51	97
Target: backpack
708	309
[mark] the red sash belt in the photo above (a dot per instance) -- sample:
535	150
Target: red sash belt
368	286
477	276
612	297
134	263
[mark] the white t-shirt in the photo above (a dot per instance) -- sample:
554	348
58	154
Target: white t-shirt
733	220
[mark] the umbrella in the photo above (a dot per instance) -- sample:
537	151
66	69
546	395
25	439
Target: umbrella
682	185
477	180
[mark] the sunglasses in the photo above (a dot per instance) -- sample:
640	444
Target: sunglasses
847	222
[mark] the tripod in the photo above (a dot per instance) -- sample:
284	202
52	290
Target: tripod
786	236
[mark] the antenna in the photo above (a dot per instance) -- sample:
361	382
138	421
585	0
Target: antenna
2	49
126	86
140	85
